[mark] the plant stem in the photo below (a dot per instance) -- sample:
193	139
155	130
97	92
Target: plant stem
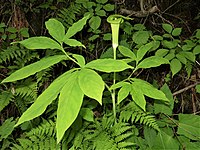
113	93
70	58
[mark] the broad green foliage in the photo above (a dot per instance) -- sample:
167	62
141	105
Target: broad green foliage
160	107
97	11
35	67
112	81
177	52
175	66
190	128
40	43
91	84
56	29
161	140
152	61
87	114
10	33
138	89
127	52
70	101
66	82
46	98
108	65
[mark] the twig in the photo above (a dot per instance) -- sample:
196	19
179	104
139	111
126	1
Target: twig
193	102
185	89
171	6
140	14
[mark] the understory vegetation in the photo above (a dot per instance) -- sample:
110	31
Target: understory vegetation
99	74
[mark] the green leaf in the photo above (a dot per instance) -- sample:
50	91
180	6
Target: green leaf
56	29
34	67
107	36
140	37
95	22
69	105
160	141
109	7
175	66
108	65
101	13
160	107
163	141
167	27
142	51
181	58
177	31
118	85
73	42
11	30
92	38
24	32
2	25
196	50
40	42
149	90
197	35
169	44
46	98
187	144
152	61
123	92
88	5
139	27
189	126
188	68
6	128
157	37
161	52
91	84
80	59
102	1
138	96
126	52
12	36
198	88
87	114
189	55
170	55
76	27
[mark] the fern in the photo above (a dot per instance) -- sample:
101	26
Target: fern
26	59
5	98
135	114
27	89
104	135
68	15
40	138
12	52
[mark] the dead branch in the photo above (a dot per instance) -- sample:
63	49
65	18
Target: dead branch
184	89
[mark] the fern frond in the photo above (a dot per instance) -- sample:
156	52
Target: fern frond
12	52
27	89
26	59
39	138
5	98
46	128
135	114
68	15
102	135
